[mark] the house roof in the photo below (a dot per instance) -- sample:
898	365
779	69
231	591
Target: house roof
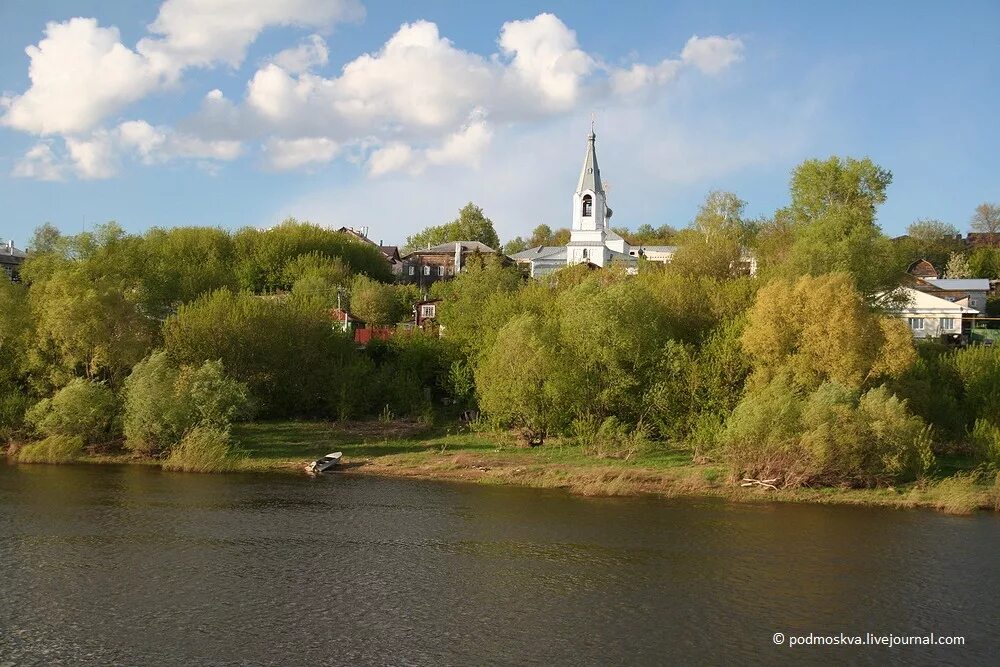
657	248
590	176
922	268
961	284
390	251
925	303
449	248
11	255
537	252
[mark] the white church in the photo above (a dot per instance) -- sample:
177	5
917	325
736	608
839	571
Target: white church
591	238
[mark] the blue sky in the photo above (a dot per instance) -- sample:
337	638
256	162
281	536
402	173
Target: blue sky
392	115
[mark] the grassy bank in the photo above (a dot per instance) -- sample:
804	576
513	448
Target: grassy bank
408	449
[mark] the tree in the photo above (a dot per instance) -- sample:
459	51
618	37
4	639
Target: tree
832	214
379	304
289	354
928	229
525	382
262	256
932	240
470	225
958	266
986	219
164	401
81	409
820	329
89	326
473	301
540	235
514	246
985	263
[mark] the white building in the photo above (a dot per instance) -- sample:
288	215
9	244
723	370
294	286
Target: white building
591	238
930	316
971	292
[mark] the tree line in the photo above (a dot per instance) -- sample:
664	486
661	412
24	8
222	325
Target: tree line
156	343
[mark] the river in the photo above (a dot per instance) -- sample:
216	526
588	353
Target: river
135	566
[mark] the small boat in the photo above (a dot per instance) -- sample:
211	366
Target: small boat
325	463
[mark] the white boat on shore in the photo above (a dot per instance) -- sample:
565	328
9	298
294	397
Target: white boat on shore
325	463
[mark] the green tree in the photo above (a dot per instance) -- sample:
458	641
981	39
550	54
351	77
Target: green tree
470	225
984	263
82	408
515	245
288	354
832	212
262	256
163	402
379	304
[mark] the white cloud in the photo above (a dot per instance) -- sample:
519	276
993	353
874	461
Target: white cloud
79	74
94	158
284	154
39	163
418	101
713	54
202	32
305	56
465	147
546	61
394	157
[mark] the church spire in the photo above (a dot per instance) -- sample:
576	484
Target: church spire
590	177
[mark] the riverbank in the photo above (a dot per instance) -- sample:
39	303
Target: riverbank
409	449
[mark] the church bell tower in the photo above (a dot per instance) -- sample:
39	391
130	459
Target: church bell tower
590	213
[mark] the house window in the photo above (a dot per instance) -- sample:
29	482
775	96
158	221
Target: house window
428	311
412	270
588	206
916	323
427	270
441	270
947	322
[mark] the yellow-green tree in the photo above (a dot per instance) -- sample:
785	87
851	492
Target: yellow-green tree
820	328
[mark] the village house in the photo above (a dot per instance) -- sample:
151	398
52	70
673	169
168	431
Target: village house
971	292
425	312
442	262
933	317
10	260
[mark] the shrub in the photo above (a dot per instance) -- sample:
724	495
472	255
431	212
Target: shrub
979	369
985	438
14	403
956	495
204	449
287	353
81	408
163	401
830	436
53	449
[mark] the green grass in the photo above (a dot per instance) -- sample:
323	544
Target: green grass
410	449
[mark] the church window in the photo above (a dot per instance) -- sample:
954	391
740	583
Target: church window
585	253
588	206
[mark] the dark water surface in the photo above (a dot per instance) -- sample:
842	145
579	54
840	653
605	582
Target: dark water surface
134	566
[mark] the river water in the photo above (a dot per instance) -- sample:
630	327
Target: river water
135	566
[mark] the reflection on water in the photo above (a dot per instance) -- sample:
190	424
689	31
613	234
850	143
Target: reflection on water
137	566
